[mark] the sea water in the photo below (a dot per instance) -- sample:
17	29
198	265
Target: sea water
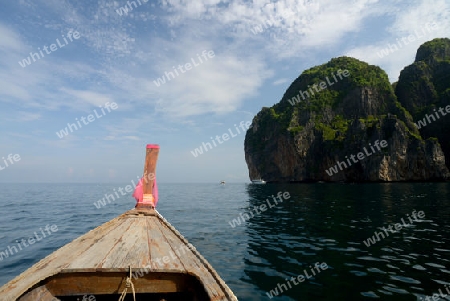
271	250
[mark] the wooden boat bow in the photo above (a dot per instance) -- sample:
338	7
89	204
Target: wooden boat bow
163	262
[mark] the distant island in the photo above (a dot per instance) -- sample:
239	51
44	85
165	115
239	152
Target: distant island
344	121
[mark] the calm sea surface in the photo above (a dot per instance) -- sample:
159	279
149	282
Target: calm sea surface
325	223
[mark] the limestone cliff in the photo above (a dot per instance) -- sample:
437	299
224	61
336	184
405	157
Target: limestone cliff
424	89
330	114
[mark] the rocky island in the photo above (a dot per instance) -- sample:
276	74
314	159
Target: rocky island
344	121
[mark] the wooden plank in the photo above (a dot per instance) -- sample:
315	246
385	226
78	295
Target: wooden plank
132	249
161	252
53	263
183	252
40	293
72	284
151	158
136	238
114	283
93	257
193	262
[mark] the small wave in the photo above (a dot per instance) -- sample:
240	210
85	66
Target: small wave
375	270
435	265
370	294
418	267
370	258
396	290
442	250
405	279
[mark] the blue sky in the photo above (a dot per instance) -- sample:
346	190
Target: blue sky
117	58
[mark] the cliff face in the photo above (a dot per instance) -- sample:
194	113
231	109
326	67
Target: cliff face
330	133
424	89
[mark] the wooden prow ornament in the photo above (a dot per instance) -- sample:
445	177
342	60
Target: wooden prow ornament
146	192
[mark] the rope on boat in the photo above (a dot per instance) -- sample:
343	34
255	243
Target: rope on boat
129	283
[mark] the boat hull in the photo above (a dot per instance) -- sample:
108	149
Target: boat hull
163	265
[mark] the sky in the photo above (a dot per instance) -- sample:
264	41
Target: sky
176	73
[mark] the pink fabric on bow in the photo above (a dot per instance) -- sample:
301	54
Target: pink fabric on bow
139	192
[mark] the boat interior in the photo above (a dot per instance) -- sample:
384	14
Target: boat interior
78	286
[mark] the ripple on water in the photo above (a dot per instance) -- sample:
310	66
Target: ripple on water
442	250
409	256
375	270
405	279
370	258
418	267
392	267
353	265
397	290
435	265
306	245
370	294
397	249
344	250
425	230
405	261
409	238
385	292
358	273
354	243
440	282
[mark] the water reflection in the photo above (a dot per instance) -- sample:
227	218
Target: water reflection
329	222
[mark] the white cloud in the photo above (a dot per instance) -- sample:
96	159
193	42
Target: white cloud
27	116
129	61
418	22
192	9
217	86
293	27
280	81
10	40
415	16
88	97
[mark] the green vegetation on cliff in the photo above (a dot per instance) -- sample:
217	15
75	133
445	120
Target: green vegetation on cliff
326	115
331	117
424	87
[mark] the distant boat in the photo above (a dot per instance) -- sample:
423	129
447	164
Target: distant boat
258	181
222	182
137	254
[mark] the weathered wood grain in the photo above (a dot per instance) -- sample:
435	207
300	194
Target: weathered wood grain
99	261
